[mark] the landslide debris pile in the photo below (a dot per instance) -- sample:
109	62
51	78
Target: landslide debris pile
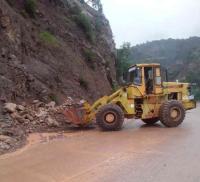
50	49
17	121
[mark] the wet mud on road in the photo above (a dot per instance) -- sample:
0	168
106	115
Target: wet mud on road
138	153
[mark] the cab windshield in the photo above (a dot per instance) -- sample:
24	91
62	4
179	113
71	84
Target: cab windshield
135	75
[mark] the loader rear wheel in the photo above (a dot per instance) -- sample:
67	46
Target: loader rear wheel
172	113
150	121
110	117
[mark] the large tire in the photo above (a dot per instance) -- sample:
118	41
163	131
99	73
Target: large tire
110	117
150	121
172	113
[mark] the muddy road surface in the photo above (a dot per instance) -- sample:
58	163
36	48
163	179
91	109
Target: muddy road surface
138	153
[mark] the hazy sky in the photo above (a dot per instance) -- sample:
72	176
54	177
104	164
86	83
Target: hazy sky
138	21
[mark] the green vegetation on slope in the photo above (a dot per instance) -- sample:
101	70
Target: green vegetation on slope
84	23
89	57
48	38
30	7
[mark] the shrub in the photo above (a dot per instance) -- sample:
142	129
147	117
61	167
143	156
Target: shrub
83	83
48	38
30	7
53	97
85	24
75	10
115	87
24	14
98	24
89	57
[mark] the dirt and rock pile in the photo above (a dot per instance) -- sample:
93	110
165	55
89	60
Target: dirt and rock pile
49	50
17	121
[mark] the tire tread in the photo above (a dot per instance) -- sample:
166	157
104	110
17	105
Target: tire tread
107	127
164	113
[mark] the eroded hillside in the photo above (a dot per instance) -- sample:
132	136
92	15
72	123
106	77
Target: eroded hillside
53	49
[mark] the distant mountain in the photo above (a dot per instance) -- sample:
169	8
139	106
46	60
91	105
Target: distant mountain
180	56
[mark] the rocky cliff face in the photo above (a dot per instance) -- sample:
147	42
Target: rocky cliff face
53	49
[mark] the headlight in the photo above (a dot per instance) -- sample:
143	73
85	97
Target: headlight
191	97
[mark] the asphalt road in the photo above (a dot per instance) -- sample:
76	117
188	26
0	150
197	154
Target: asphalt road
137	153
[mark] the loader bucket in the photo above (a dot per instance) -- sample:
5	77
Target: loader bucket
75	115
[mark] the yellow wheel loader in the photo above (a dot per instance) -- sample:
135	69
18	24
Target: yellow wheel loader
147	95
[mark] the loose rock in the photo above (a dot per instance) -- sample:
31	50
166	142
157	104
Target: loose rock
20	120
51	104
20	108
4	146
52	122
4	137
10	107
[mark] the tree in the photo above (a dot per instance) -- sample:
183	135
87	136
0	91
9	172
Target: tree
123	60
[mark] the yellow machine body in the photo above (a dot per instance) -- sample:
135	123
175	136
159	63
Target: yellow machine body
134	100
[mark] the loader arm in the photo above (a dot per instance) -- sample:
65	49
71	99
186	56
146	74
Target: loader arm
124	98
85	114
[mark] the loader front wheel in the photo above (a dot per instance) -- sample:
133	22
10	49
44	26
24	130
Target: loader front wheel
110	117
172	113
150	121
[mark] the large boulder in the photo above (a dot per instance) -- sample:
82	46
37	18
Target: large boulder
10	107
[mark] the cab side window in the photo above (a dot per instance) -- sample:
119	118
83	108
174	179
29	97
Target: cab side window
158	80
148	73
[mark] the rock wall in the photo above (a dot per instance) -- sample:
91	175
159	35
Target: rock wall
46	57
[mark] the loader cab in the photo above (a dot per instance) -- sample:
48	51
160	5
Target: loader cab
135	76
146	77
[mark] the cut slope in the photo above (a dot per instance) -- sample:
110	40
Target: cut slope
50	53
